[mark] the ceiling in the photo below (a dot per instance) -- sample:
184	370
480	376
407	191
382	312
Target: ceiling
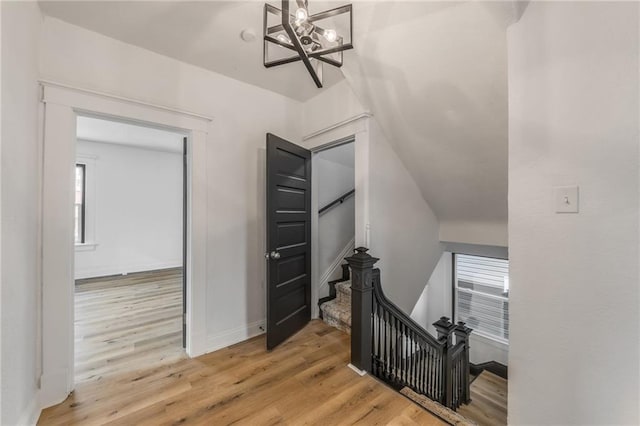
435	78
434	74
201	33
342	154
114	132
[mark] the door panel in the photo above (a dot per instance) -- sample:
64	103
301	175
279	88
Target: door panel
288	239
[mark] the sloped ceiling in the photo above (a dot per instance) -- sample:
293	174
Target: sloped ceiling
435	78
433	73
201	33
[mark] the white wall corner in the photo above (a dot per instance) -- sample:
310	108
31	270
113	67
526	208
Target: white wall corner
197	344
235	335
31	413
53	389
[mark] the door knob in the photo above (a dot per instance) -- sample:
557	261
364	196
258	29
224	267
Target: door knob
275	255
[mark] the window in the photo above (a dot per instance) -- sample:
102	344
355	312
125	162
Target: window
482	295
80	204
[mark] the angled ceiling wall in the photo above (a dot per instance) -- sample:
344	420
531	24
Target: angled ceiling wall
435	77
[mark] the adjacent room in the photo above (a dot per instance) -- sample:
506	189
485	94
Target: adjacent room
128	233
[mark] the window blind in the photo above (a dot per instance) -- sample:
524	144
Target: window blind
482	295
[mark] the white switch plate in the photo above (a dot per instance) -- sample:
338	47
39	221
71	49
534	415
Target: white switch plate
566	199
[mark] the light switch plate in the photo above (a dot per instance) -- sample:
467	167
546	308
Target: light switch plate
566	199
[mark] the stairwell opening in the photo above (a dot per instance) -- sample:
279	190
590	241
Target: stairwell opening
334	170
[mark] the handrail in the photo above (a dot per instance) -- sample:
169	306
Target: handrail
339	200
389	344
400	314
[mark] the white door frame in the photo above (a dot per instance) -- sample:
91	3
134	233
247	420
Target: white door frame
62	106
356	128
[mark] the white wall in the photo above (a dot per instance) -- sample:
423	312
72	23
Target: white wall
242	113
404	229
336	227
21	22
483	349
138	210
331	106
435	300
574	295
444	110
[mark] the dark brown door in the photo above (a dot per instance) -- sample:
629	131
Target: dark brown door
288	239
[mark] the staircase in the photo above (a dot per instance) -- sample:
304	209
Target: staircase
433	371
337	312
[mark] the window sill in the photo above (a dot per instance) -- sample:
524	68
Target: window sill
86	246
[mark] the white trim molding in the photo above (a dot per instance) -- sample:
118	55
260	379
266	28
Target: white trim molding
335	126
62	106
31	413
235	335
86	246
356	128
357	370
94	93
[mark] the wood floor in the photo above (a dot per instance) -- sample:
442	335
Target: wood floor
125	323
304	381
488	401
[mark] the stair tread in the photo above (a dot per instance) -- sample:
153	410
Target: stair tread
337	312
436	408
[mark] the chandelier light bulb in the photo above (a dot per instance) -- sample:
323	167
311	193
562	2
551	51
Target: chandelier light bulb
283	38
301	15
330	35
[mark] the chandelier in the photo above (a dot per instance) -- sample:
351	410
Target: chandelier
291	34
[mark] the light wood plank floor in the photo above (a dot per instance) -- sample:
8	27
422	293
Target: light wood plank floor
304	381
488	401
124	323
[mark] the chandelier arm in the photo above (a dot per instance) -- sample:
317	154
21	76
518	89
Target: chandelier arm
316	55
330	13
296	43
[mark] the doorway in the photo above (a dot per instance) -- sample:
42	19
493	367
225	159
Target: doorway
129	215
335	193
62	106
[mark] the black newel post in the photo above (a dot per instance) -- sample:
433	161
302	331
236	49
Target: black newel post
445	329
361	265
462	335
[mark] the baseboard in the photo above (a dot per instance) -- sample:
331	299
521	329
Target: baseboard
494	367
127	269
357	370
235	335
31	413
325	278
54	388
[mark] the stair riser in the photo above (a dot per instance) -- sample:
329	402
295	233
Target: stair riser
344	298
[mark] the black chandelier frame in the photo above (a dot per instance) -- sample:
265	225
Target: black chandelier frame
315	70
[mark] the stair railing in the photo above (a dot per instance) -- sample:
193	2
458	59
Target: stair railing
341	199
387	343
